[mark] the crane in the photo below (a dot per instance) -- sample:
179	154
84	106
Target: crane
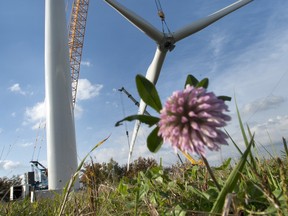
132	98
76	40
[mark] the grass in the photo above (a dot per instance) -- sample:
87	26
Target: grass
253	186
258	188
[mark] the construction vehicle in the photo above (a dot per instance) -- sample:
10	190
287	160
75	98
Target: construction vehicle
37	179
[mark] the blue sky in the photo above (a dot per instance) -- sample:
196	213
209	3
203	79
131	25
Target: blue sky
244	54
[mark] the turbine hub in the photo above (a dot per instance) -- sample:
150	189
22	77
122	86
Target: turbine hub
168	43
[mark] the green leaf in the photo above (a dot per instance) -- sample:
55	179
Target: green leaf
224	98
245	136
191	80
179	211
148	92
239	150
231	181
143	190
203	83
199	193
149	120
154	142
123	188
285	146
242	127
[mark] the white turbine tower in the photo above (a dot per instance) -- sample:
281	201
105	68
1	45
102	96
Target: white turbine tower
166	42
61	141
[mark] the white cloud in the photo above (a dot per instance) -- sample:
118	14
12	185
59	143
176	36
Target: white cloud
86	63
263	104
268	131
36	115
26	144
8	164
78	111
87	90
17	89
36	112
217	43
273	129
1	130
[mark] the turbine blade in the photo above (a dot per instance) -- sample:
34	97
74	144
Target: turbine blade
204	22
138	21
152	75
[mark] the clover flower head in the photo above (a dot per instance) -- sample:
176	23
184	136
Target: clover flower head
191	120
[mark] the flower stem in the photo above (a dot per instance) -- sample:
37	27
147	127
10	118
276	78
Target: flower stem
210	171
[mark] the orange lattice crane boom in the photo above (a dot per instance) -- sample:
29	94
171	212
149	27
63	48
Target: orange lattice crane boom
76	40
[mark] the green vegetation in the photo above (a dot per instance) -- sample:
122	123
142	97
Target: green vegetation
183	189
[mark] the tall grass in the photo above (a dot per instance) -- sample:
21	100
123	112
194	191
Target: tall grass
253	186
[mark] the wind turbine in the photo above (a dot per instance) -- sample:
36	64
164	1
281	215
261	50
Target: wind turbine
166	42
60	127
